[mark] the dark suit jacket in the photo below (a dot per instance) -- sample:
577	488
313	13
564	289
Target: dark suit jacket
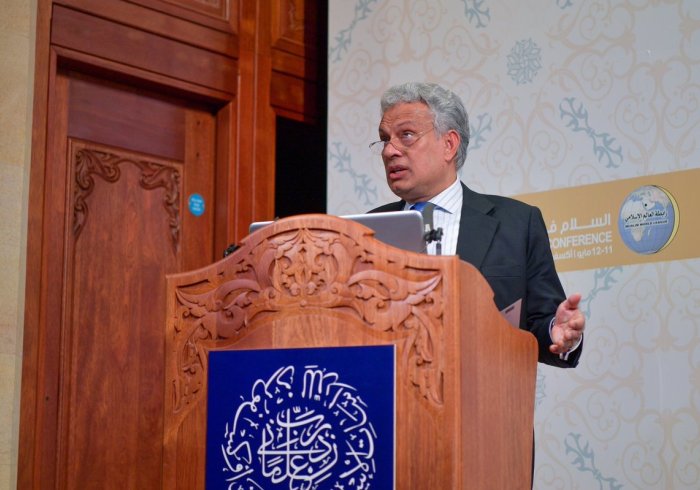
506	240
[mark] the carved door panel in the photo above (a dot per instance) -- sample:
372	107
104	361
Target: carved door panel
133	201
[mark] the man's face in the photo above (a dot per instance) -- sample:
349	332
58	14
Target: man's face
425	168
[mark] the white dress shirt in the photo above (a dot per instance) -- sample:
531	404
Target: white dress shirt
447	213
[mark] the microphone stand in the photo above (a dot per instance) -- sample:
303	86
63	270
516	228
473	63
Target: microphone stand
431	234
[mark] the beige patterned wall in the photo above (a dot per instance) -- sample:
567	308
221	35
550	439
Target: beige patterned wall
16	73
561	93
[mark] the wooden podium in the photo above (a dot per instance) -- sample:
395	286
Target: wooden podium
465	378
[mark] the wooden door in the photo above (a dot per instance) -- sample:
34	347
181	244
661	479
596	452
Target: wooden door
133	176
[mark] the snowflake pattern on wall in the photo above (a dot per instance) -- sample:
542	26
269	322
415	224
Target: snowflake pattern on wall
477	13
584	461
540	387
343	39
479	130
575	116
364	187
524	61
603	280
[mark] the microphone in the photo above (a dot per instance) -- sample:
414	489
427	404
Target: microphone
431	234
230	249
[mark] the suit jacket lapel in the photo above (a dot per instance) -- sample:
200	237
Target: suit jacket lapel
476	227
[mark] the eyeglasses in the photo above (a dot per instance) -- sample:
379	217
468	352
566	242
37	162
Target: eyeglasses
402	142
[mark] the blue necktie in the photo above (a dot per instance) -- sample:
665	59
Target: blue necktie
430	234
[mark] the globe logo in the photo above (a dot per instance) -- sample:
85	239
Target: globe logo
648	219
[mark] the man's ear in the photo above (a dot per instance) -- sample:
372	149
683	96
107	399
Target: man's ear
451	141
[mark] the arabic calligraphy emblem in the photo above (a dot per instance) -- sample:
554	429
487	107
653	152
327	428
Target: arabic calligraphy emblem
648	219
300	429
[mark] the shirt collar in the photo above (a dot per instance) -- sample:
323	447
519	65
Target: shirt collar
449	200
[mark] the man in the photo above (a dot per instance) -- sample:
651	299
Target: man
423	138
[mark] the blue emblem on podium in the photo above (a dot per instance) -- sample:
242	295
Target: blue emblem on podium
301	419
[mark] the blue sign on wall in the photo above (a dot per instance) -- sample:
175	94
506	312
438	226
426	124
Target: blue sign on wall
320	418
195	203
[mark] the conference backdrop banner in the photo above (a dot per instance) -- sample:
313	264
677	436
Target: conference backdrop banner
590	110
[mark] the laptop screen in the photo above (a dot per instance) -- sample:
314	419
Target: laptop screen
401	229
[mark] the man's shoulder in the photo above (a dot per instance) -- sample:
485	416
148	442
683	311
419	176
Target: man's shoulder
510	202
392	206
499	203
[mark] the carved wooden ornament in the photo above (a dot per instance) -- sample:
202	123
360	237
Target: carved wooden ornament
303	265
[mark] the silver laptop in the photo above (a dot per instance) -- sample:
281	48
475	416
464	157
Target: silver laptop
401	229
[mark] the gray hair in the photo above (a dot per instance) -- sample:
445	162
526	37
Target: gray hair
447	108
